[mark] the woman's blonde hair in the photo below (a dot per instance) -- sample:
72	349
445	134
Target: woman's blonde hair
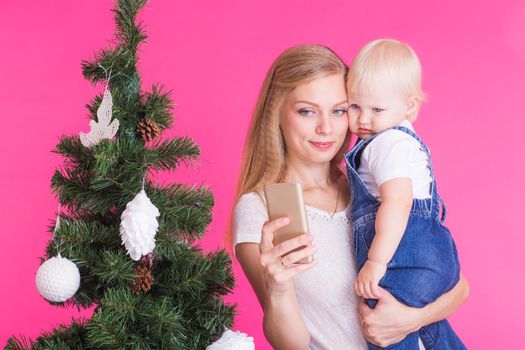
264	156
386	61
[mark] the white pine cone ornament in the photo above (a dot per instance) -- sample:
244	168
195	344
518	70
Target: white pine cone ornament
139	226
233	341
57	279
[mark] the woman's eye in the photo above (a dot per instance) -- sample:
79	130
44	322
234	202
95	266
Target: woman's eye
305	112
354	106
340	111
377	109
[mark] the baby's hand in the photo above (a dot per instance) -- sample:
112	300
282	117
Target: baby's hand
368	279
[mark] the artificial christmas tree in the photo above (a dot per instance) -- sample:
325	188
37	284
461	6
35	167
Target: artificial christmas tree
157	291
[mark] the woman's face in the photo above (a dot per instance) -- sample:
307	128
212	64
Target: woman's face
314	119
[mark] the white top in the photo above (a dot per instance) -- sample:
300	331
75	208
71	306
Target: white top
325	293
394	154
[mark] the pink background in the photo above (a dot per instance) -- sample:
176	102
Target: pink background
214	55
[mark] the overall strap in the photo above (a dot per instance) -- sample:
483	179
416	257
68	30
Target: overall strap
433	189
362	198
358	147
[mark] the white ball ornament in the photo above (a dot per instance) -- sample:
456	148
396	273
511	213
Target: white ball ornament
58	279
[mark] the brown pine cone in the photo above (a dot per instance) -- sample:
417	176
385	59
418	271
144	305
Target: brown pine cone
143	281
148	129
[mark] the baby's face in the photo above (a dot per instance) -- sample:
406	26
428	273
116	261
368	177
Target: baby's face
373	112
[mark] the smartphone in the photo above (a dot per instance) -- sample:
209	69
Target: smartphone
286	200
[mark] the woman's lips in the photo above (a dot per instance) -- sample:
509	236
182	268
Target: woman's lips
365	131
322	145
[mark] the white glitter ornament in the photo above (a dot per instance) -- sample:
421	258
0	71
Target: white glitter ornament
233	341
104	128
57	279
139	226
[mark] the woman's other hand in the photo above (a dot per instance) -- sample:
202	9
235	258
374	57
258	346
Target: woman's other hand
390	321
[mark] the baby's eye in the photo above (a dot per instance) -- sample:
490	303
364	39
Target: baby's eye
306	112
354	106
340	111
377	109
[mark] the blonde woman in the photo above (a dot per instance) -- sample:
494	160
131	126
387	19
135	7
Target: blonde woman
299	133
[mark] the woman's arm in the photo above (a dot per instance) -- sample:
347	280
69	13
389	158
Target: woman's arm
272	282
446	304
391	321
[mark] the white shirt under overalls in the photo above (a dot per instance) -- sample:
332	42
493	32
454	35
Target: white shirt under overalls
395	154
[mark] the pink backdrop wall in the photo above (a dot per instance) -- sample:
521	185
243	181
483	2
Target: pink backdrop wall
214	56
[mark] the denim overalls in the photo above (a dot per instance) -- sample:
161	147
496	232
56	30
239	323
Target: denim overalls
425	264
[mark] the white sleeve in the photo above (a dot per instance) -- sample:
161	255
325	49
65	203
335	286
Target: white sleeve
388	156
249	216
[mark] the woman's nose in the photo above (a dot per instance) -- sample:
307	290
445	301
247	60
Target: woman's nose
325	125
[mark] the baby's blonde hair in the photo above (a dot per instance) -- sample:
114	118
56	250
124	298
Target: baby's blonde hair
386	61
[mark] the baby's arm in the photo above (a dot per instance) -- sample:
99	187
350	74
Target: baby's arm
391	221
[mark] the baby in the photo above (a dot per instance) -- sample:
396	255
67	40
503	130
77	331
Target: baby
400	241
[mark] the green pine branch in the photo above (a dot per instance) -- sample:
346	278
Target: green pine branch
185	210
205	276
158	106
70	337
127	31
169	154
114	269
106	332
76	155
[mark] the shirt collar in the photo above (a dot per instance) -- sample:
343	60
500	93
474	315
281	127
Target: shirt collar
407	125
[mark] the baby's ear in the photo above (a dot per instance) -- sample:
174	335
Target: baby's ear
412	108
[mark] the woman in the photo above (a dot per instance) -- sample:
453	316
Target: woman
299	133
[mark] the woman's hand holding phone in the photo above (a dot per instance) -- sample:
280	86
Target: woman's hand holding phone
279	262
